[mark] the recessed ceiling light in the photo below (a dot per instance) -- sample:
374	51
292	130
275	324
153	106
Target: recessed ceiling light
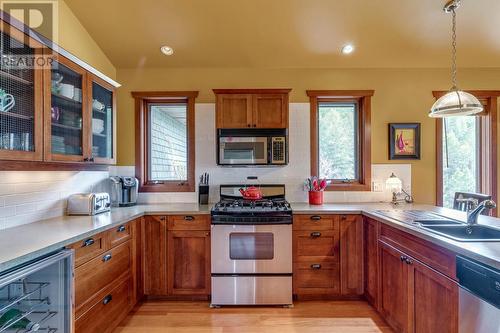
166	50
348	49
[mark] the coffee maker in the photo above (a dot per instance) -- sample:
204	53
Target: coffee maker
124	191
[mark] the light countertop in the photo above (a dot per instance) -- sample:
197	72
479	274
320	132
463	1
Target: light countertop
30	241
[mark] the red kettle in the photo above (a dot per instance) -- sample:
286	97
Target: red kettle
251	193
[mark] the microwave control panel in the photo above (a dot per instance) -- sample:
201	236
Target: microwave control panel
278	150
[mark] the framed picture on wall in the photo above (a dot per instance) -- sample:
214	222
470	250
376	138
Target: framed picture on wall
404	141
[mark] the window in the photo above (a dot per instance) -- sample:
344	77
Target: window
466	152
340	138
165	141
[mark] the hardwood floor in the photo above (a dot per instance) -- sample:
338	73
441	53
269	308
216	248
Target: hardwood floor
305	317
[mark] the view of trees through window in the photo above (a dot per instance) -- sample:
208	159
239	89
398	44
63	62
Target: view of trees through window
338	144
460	165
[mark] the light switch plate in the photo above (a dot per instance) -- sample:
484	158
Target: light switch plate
377	186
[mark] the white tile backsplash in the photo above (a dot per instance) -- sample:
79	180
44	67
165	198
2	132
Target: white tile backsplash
292	175
29	196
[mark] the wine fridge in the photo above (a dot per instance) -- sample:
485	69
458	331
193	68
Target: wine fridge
37	297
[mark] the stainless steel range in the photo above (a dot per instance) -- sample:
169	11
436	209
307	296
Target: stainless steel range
252	248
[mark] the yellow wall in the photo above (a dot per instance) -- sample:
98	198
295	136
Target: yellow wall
75	39
401	95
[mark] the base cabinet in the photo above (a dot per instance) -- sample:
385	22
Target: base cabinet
414	297
188	262
176	255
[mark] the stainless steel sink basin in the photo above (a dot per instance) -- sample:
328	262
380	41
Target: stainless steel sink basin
480	233
438	222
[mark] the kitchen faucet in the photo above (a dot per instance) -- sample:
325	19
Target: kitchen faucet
473	214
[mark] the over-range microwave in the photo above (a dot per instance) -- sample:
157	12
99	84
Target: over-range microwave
247	147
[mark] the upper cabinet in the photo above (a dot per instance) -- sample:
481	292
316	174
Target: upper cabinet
252	108
66	116
103	121
21	99
56	112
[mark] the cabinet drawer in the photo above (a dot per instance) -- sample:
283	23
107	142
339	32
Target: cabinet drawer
189	222
89	248
317	278
316	245
436	257
109	308
119	234
314	222
96	274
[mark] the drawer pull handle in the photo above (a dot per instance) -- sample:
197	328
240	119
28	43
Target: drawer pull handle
88	242
315	218
107	257
189	218
107	299
316	266
315	234
121	228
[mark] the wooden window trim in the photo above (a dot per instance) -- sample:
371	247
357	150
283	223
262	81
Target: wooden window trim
142	99
488	145
363	98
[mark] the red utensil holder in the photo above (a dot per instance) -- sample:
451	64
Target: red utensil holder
316	197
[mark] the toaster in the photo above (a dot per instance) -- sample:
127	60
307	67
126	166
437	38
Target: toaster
88	203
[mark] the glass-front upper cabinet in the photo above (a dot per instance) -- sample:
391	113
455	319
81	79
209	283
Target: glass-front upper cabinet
66	121
103	121
21	97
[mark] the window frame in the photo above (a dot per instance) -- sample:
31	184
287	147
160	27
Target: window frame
142	121
363	100
487	166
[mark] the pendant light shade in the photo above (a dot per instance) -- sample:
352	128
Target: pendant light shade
456	103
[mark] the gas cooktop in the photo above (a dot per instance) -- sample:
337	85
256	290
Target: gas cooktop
233	209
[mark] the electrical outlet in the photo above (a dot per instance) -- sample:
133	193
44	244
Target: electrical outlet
377	186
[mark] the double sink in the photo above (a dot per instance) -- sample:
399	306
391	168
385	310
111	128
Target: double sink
443	226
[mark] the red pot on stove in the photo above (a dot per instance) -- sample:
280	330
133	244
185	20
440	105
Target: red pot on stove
251	193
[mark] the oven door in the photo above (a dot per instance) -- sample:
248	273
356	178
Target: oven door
243	150
251	249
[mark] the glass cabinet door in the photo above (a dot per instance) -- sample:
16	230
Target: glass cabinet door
20	98
66	113
102	122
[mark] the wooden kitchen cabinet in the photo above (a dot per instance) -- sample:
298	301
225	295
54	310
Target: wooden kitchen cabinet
155	256
414	297
270	110
371	261
252	108
351	255
59	115
21	116
176	256
189	262
234	111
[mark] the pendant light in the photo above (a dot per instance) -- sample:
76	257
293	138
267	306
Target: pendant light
456	102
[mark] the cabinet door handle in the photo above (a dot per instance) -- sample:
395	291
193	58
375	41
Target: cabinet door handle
121	228
409	261
315	218
162	218
344	217
254	125
249	125
107	257
316	266
91	159
189	218
86	159
88	242
107	299
315	234
403	258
